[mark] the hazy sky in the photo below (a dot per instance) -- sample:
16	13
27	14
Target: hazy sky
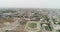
30	3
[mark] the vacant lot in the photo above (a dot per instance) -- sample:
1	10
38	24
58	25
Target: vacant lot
20	28
10	20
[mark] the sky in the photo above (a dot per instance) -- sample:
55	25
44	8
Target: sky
29	3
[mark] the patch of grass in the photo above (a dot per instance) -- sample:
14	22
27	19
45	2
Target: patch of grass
23	22
10	31
32	25
59	23
46	17
48	28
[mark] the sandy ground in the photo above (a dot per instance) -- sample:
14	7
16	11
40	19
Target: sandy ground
20	28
